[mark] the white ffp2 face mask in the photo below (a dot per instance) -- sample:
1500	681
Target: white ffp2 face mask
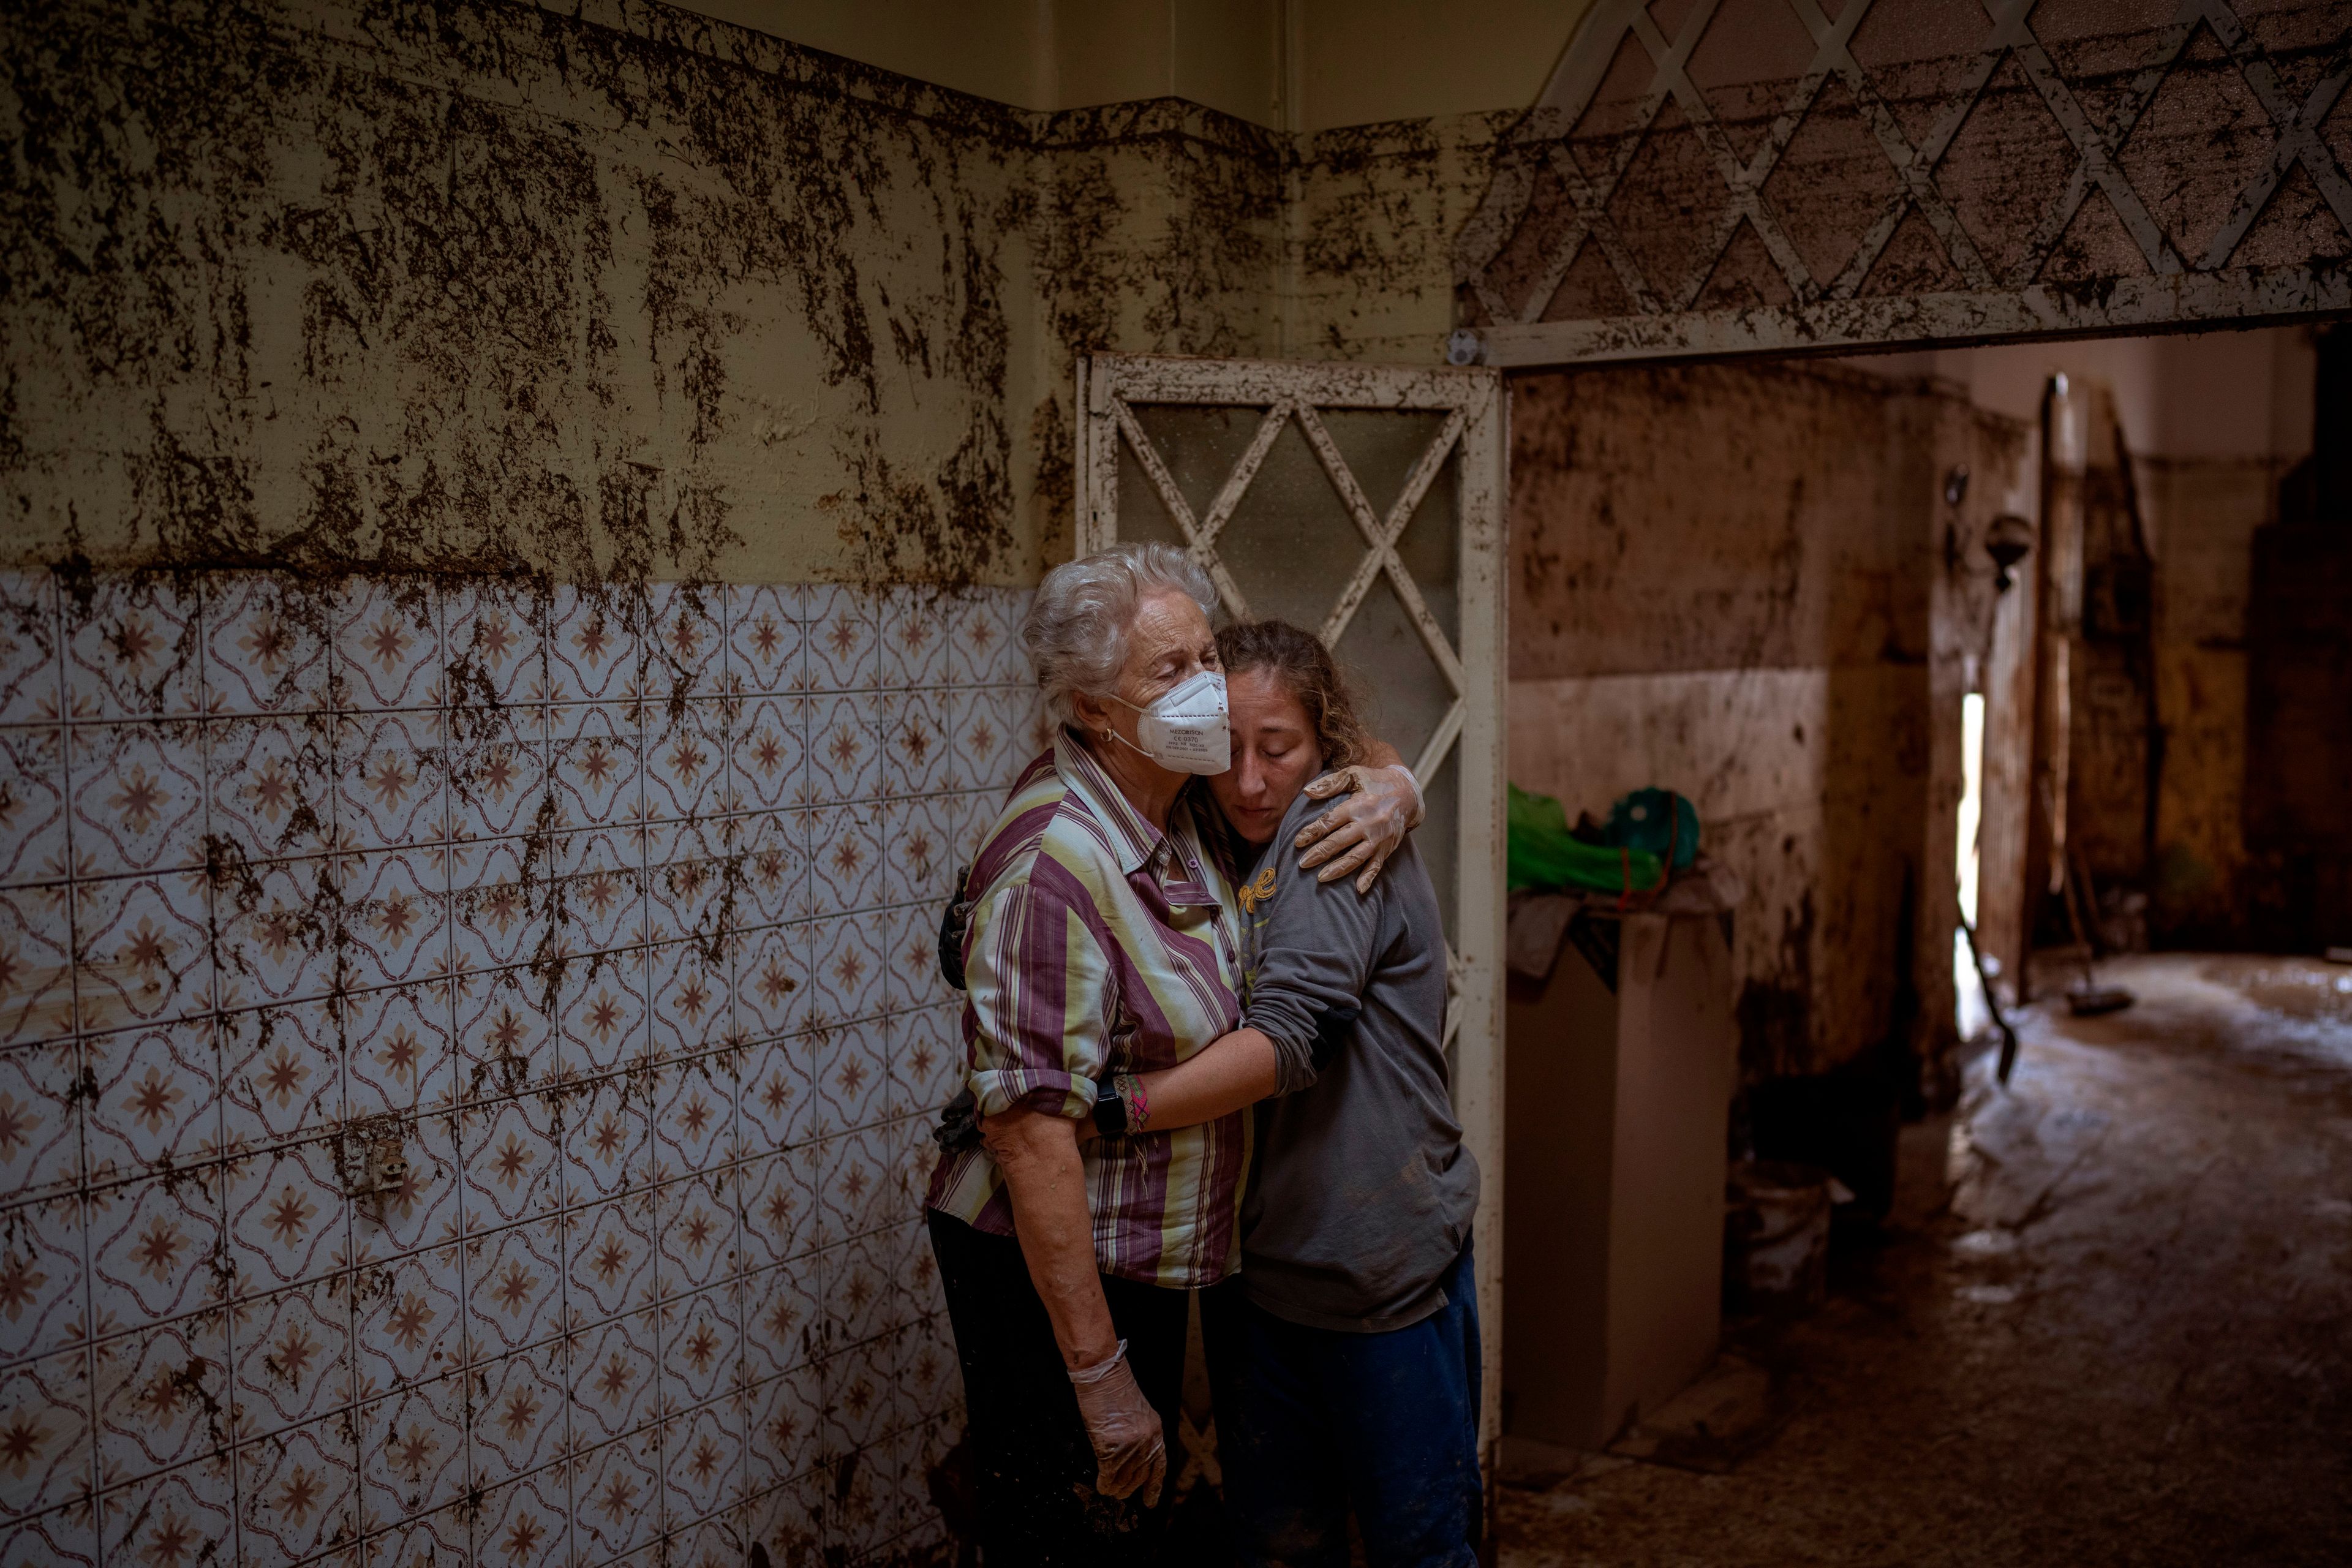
1185	731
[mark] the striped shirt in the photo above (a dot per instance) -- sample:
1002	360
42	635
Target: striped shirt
1099	944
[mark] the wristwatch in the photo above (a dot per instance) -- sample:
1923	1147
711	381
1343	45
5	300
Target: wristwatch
1110	1110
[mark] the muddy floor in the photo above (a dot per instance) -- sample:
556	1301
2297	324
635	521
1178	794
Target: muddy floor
2111	1321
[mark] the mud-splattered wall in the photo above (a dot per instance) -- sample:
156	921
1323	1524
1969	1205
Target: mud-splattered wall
1732	581
462	286
472	805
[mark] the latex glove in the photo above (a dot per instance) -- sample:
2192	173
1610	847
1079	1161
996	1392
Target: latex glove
1131	1450
1362	831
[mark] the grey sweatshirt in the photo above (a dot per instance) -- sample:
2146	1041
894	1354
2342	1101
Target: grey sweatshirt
1363	1193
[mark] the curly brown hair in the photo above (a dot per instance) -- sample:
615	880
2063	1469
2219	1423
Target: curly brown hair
1306	671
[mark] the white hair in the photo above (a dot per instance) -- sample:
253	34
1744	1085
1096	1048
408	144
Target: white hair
1076	629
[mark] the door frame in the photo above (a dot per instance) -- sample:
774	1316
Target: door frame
1479	427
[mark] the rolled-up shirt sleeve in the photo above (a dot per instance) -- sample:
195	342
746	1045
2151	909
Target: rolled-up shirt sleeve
1034	977
1309	981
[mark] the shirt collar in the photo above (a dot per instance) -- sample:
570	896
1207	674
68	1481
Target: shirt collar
1140	842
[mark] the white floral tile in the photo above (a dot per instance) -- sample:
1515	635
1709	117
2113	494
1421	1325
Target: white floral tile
926	1060
269	785
45	1418
615	1499
265	647
525	1521
593	647
851	1073
608	1145
685	761
133	650
983	639
32	803
298	1492
505	1035
595	766
858	1394
771	977
915	731
696	1245
277	921
387	644
692	1103
281	1075
768	749
692	1007
40	1135
44	1302
844	647
162	1397
411	1455
785	1319
153	1099
998	731
918	628
494	646
293	1358
918	844
702	1346
507	1149
142	950
765	638
846	870
604	1018
155	1249
601	907
497	769
518	1421
702	1464
500	903
845	748
407	1326
781	1216
425	1541
288	1220
615	1389
31	670
608	1255
514	1288
392	778
686	640
910	958
138	797
860	1294
845	967
778	1099
397	1053
36	976
692	897
172	1518
772	869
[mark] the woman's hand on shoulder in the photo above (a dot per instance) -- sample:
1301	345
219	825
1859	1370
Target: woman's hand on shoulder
1357	835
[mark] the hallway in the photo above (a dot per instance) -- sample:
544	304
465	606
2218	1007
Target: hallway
2106	1325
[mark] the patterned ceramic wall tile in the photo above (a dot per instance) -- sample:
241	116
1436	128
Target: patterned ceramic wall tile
467	1054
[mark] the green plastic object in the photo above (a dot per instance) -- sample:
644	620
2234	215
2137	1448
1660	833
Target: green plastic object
1542	853
1640	821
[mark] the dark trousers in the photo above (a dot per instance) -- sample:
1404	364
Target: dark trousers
1036	1469
1313	1423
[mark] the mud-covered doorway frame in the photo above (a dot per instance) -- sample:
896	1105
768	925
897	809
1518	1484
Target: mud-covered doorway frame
1476	429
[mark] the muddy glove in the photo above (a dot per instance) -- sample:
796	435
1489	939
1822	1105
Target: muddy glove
1130	1451
1364	830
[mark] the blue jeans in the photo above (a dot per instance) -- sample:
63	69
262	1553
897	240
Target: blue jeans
1313	1422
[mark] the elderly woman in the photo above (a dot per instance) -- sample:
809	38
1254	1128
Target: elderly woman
1102	943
